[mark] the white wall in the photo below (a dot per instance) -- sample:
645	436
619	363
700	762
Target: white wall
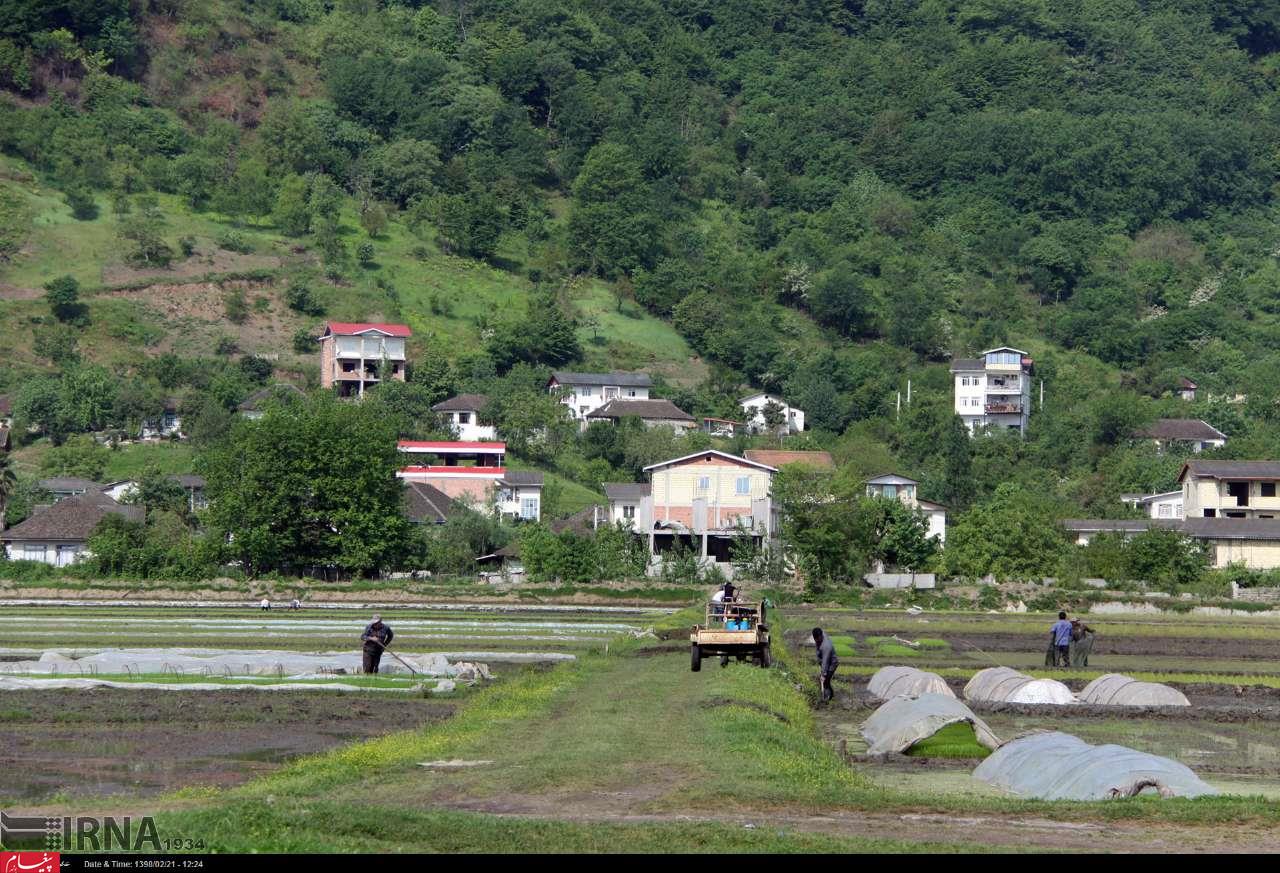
57	554
471	432
585	399
753	411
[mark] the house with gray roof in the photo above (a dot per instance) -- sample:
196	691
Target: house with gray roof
1196	434
57	534
584	393
1230	489
654	413
463	414
519	495
994	391
255	405
426	504
62	487
624	500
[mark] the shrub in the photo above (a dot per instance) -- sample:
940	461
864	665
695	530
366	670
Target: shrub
234	241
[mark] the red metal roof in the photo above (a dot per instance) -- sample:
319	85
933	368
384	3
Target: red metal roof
445	446
348	328
470	471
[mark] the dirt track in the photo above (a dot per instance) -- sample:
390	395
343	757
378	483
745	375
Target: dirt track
114	741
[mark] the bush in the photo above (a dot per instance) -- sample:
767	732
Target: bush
82	204
299	298
304	341
234	241
226	346
235	306
187	245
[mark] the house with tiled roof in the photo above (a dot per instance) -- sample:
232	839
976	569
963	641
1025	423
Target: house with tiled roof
355	357
781	458
57	534
1193	432
907	491
462	412
654	413
476	473
584	393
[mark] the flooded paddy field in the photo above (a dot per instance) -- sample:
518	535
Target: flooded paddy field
1228	667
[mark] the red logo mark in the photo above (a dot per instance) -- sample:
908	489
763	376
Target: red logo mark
29	862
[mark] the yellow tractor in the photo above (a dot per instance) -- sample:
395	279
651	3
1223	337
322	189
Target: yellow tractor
732	630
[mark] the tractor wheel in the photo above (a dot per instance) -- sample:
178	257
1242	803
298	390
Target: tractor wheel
766	657
695	657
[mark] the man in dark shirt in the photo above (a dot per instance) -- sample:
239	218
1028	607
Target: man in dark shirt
376	637
827	663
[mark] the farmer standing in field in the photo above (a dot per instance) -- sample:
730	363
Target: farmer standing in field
827	663
376	637
1060	639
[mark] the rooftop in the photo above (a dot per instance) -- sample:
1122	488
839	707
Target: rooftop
725	456
70	520
427	504
1188	429
626	491
622	380
279	392
780	458
462	403
448	447
663	410
891	479
355	328
68	483
1231	469
521	477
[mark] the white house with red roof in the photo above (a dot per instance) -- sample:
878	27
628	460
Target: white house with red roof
355	357
475	472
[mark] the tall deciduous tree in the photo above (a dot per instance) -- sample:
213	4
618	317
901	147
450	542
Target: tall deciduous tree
310	485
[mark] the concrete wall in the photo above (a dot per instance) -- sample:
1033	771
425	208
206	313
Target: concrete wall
901	580
674	490
1254	554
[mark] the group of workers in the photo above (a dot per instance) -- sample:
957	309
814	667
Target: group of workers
1070	643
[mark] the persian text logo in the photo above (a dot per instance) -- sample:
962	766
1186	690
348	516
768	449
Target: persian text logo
29	862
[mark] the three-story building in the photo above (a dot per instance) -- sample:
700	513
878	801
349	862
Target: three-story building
993	391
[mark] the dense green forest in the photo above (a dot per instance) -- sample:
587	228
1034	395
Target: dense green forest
823	199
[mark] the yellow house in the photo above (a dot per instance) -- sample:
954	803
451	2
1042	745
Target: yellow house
1230	489
703	501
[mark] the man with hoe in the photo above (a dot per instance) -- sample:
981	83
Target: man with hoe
376	637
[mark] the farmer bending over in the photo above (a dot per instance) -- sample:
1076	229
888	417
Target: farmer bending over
827	663
376	637
1060	637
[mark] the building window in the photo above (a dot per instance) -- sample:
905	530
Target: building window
529	508
1164	510
464	418
585	391
32	553
743	485
704	483
1210	513
629	512
631	392
964	380
1268	489
889	491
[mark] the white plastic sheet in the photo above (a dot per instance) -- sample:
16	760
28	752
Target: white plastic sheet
895	681
904	721
1003	685
1116	689
26	683
1058	766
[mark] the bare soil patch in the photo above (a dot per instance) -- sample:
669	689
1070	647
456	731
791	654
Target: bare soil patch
113	741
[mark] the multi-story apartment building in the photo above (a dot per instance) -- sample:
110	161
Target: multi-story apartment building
993	391
474	472
357	357
584	393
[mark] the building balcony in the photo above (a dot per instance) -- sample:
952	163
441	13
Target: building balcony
1004	409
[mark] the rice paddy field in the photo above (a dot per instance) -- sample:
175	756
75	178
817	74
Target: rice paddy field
1227	666
166	736
594	735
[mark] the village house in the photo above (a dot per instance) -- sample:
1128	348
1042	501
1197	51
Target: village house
255	405
1187	390
907	491
6	412
654	413
475	472
1197	435
463	415
57	534
701	502
167	424
357	357
584	393
753	408
1230	489
1251	542
426	504
993	391
1167	504
62	487
193	486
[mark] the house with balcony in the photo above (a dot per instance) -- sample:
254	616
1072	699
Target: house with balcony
584	393
1194	434
701	503
993	391
1230	489
474	473
357	357
891	486
754	406
463	415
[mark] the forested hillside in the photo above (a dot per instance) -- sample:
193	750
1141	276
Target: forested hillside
823	199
